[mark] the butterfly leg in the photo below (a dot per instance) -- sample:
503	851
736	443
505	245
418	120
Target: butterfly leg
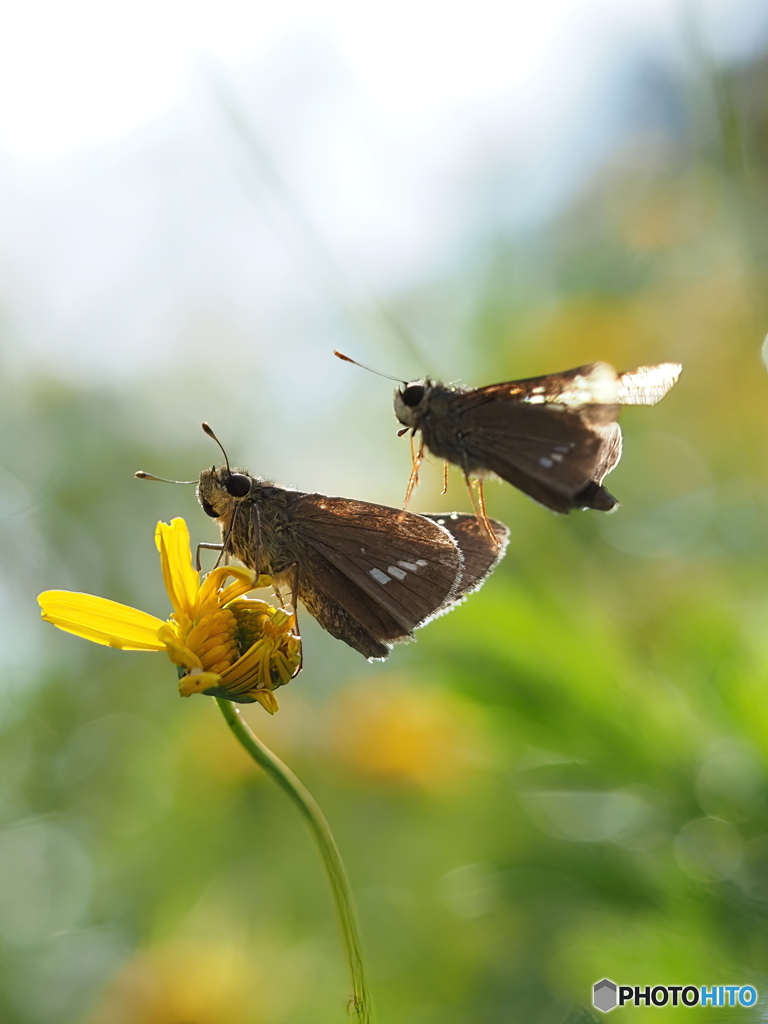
416	460
294	592
445	477
295	606
208	547
479	508
483	514
267	581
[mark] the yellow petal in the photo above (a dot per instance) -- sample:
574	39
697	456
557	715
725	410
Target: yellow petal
285	669
102	621
250	668
283	621
197	682
178	652
245	580
181	580
267	699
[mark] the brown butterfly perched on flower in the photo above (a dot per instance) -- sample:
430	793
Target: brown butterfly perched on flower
368	573
554	437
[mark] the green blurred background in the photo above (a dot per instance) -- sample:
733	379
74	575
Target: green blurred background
563	780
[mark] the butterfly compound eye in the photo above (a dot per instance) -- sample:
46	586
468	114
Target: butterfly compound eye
238	485
413	394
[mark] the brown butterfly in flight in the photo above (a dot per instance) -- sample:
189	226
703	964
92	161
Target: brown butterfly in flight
554	437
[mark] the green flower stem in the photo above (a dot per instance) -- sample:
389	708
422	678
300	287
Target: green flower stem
318	824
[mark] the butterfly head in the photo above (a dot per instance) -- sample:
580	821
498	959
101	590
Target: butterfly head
220	490
411	402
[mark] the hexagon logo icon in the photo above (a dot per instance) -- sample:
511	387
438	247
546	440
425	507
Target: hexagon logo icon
604	995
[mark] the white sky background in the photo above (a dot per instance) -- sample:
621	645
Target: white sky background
139	235
89	71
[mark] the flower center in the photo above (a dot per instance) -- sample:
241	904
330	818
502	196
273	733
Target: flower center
214	639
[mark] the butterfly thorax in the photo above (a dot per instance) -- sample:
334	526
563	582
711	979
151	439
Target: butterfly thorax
255	525
437	416
421	402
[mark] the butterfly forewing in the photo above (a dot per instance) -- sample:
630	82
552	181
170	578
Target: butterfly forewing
407	564
345	610
368	573
592	384
647	385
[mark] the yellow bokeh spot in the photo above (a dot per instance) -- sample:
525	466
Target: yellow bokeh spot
195	982
400	730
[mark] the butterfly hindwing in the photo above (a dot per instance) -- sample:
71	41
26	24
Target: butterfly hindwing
550	452
479	553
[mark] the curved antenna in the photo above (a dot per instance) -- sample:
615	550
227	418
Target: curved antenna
141	475
346	359
209	431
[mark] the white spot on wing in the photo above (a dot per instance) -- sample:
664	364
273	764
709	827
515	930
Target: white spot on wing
535	399
420	561
546	463
379	576
409	566
397	573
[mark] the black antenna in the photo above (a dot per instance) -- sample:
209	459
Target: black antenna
346	359
238	485
209	431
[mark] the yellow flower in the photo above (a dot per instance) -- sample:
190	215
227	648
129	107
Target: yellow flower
224	644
